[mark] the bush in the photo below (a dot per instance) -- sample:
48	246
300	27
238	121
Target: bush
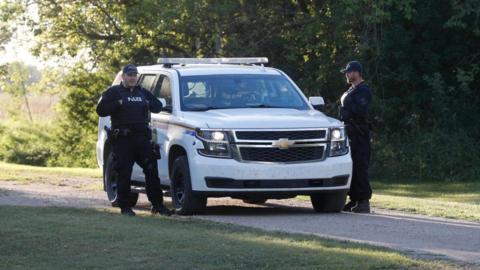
69	139
76	135
26	143
434	155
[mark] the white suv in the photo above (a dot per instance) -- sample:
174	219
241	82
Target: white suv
232	127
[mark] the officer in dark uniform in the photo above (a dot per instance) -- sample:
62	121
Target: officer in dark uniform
129	106
354	112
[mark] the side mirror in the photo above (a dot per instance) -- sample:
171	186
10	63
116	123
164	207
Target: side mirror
318	103
165	107
163	101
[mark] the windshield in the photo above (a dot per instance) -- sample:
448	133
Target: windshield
209	92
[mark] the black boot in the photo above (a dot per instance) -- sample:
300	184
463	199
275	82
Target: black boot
348	207
161	209
363	206
127	211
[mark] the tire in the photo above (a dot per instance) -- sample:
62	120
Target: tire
255	200
111	185
331	202
183	199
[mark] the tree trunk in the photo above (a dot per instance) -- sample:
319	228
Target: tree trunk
28	108
26	103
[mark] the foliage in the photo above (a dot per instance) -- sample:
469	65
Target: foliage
421	60
77	128
26	143
16	78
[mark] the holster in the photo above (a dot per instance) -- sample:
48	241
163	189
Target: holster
156	150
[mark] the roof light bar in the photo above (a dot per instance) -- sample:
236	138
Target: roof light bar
243	60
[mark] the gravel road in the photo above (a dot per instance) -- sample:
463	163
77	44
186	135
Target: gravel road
419	236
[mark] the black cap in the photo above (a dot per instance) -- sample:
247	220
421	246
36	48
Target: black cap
353	66
130	68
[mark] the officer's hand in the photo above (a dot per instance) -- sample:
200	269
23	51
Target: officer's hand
120	101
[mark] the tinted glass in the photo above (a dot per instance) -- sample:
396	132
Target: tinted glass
206	92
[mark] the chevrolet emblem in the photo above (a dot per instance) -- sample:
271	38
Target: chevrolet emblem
283	143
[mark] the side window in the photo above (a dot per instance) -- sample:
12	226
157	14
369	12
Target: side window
164	89
147	81
158	86
118	79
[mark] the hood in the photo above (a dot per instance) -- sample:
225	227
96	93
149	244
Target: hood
259	118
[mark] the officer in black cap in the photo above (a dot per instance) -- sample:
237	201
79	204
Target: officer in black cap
129	106
354	112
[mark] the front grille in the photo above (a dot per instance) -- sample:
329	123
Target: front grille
275	135
270	154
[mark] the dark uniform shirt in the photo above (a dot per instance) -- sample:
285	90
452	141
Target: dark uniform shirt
355	103
134	112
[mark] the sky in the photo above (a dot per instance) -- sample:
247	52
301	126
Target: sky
18	49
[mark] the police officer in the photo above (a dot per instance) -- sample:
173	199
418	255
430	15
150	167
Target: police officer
129	106
354	112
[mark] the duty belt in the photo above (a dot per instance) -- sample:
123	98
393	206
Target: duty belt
117	132
121	132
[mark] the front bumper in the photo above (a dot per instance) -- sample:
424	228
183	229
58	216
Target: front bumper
228	176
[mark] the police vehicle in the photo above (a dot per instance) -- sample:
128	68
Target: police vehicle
232	127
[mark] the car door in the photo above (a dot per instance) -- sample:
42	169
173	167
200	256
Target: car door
147	81
163	90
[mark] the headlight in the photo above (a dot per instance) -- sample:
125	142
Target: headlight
336	134
211	135
338	142
215	143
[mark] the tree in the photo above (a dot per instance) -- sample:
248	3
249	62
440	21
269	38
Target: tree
17	80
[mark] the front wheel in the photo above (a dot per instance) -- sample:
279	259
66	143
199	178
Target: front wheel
110	179
331	202
183	199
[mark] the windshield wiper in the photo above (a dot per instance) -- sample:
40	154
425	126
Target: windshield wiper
267	106
202	109
207	108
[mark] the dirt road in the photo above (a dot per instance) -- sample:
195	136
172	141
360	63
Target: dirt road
421	236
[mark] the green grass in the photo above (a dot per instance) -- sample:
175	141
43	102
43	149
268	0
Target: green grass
63	238
462	192
439	199
51	175
17	172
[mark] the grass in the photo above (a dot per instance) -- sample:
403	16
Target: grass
51	175
19	171
439	199
436	199
42	106
461	192
63	238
